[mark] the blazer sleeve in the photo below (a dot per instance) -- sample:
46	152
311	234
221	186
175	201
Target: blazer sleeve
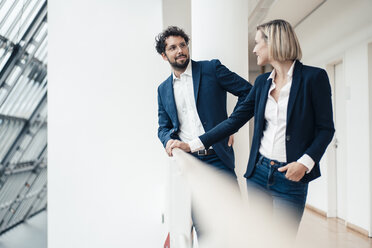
165	128
232	82
243	112
322	104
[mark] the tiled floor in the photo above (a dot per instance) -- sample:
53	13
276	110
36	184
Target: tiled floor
317	231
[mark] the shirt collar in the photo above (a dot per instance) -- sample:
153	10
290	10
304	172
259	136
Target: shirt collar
289	73
187	72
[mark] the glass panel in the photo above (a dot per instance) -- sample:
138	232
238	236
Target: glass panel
23	86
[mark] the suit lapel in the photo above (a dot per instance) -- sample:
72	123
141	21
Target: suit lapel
171	103
262	104
196	72
296	83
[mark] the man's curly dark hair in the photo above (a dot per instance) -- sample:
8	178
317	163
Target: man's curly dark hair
170	31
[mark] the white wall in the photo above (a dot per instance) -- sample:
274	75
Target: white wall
341	30
356	77
105	161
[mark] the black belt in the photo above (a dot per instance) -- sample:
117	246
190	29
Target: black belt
204	152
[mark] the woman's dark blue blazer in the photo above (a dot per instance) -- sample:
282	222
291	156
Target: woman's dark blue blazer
310	125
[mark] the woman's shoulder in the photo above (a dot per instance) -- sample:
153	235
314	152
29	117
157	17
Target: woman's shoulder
314	75
312	70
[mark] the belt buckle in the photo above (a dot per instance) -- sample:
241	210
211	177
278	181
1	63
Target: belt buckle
202	152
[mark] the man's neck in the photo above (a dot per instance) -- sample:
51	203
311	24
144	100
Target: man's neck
178	72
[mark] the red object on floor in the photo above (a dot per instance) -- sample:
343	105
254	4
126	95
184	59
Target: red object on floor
167	242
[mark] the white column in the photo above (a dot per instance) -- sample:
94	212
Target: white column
370	135
104	184
220	30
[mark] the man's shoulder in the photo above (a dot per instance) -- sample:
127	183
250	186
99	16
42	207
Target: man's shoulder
206	65
211	62
163	84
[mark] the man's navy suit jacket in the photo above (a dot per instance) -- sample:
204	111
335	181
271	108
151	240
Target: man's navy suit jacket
211	81
309	127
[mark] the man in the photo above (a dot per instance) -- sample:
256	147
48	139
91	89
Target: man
192	99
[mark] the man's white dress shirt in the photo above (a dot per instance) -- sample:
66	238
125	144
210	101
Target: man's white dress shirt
190	124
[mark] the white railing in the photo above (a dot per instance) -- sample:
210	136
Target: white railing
225	219
216	200
178	204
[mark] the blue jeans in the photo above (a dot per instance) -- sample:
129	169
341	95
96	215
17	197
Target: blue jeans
215	162
285	199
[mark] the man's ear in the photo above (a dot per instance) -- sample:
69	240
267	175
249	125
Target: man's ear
164	56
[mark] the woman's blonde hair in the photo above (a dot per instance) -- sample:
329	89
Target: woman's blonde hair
281	39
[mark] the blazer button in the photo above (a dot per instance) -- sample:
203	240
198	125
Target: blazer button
204	123
288	138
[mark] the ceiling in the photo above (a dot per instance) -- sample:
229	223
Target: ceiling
293	11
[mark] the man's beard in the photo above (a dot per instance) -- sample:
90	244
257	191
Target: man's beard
180	66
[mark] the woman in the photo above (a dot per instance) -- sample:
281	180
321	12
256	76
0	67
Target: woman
293	122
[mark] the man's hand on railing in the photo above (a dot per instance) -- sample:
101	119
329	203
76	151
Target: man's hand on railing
180	144
168	148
